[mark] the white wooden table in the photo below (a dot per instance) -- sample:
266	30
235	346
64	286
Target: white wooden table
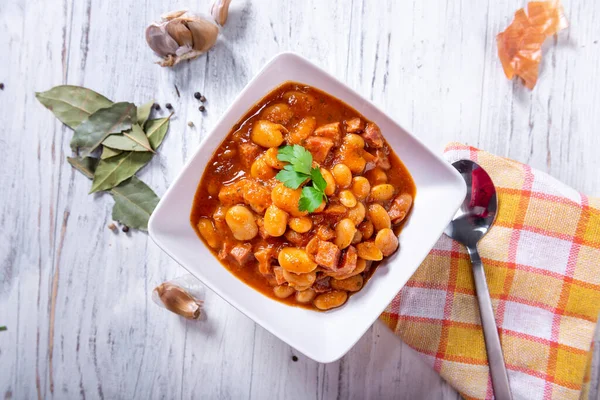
76	297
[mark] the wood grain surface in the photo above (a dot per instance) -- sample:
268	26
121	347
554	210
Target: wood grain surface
76	296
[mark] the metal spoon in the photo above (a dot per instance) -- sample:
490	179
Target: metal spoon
470	224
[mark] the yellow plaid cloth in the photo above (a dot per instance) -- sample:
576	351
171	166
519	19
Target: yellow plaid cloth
542	262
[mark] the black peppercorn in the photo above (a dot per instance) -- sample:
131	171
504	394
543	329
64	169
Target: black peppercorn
201	108
169	106
1	86
197	95
294	358
125	228
156	106
202	99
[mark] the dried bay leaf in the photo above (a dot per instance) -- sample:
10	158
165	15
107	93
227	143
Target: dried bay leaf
143	112
134	203
72	104
134	200
86	165
156	129
131	140
114	170
107	152
104	122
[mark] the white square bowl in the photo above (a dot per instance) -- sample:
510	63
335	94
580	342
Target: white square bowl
322	336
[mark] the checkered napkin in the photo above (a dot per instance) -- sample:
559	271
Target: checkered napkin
542	263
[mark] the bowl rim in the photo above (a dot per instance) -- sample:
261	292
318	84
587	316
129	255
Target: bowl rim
152	228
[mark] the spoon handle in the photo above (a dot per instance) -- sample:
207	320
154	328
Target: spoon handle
490	330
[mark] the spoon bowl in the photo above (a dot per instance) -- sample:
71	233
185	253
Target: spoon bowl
478	211
471	222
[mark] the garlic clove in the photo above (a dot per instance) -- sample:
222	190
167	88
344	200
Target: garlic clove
160	41
220	11
204	34
178	300
172	15
177	29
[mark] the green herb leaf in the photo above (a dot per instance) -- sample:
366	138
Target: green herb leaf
107	152
156	129
291	178
285	153
104	122
300	158
143	112
317	179
72	104
134	203
297	172
86	166
311	199
133	139
114	170
134	200
2	328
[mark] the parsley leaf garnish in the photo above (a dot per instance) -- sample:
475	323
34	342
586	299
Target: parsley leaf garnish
318	180
297	156
291	178
298	171
285	153
311	199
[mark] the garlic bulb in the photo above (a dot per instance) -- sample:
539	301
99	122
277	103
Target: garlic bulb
181	296
181	35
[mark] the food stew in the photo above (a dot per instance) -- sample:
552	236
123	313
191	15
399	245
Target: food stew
255	222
